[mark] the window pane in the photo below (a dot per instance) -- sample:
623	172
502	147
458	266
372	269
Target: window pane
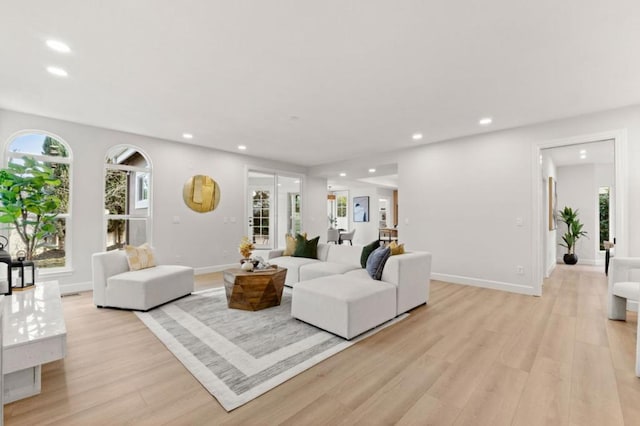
50	252
116	234
115	195
61	172
126	156
126	231
38	144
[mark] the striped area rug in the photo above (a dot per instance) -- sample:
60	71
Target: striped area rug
239	355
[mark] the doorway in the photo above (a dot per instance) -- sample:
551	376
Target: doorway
562	165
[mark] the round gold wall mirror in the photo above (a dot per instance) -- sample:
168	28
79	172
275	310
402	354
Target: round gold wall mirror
201	193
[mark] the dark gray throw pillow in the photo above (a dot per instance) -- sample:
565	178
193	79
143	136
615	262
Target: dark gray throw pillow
366	252
376	261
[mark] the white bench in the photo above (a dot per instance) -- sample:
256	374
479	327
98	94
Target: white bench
115	286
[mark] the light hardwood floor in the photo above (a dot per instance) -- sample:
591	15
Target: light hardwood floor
471	357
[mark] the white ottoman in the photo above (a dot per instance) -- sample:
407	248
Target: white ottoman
342	305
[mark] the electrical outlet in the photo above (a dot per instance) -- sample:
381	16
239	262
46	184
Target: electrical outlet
520	270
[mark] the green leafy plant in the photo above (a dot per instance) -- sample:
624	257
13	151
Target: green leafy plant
574	229
28	201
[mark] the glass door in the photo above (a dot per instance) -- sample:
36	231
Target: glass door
261	190
274	208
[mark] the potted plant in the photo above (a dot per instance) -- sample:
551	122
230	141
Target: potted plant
28	202
573	234
333	222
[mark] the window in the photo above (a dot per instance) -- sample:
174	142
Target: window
53	153
126	197
342	206
261	216
142	190
604	202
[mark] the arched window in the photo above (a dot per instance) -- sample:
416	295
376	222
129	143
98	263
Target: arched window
52	155
127	197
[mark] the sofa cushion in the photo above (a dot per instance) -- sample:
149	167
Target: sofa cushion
376	261
345	254
139	257
293	265
323	269
360	274
342	305
148	288
306	248
366	252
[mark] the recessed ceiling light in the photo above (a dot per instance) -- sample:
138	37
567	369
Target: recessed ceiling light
187	135
417	136
583	156
583	151
372	170
485	121
58	46
242	147
57	71
343	174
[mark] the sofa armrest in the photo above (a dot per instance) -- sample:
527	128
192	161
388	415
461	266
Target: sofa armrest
274	253
103	266
411	273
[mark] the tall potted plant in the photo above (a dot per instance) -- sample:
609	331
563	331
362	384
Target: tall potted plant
573	234
28	201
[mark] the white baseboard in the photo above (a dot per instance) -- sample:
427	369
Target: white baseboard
214	268
478	282
550	270
76	287
632	306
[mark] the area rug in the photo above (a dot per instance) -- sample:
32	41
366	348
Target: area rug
239	355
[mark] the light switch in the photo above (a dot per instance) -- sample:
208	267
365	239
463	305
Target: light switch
176	220
519	221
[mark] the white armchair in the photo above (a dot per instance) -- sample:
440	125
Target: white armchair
621	289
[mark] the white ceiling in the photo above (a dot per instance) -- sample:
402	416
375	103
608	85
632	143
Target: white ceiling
313	82
602	152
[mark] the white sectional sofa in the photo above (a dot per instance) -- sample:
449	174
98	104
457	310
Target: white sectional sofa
115	286
336	294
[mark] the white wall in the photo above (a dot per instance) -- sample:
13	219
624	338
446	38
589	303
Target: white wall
578	189
549	235
200	240
314	208
461	199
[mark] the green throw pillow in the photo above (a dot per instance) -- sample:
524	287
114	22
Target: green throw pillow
366	251
306	248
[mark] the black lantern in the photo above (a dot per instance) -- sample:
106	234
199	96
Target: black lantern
23	281
6	259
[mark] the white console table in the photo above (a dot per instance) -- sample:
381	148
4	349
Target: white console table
34	334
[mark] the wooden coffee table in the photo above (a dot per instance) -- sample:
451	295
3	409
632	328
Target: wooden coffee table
253	291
